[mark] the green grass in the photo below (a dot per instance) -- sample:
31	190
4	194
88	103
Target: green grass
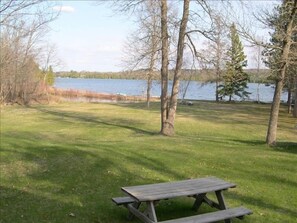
74	157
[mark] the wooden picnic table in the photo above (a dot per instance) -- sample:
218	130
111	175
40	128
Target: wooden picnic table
151	194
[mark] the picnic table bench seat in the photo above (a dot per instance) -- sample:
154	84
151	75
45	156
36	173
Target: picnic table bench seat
123	200
238	212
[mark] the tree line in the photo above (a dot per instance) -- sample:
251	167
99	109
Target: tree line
255	76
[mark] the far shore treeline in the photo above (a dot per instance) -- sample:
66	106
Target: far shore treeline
256	76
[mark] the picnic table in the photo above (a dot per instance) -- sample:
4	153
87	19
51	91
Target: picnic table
151	194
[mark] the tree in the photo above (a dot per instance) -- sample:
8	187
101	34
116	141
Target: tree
292	70
143	46
258	60
23	24
49	77
290	85
235	79
278	52
169	105
169	101
216	51
295	99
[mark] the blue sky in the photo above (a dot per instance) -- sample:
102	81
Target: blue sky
90	36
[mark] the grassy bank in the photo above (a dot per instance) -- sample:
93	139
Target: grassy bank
64	162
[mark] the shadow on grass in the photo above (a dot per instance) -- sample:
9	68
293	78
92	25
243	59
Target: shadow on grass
289	147
46	182
83	117
222	112
251	142
254	201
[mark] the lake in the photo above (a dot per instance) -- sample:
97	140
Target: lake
196	90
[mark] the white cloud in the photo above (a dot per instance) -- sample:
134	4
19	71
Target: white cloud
64	8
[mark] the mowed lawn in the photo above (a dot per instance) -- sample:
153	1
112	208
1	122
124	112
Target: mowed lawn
64	162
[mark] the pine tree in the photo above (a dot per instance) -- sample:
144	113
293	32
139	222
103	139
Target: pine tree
235	79
50	78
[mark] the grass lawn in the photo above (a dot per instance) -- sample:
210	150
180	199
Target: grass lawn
64	162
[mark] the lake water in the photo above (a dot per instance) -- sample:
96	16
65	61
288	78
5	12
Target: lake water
196	90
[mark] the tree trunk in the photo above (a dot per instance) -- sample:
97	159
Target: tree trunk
289	101
169	125
258	93
164	66
186	88
217	91
295	100
272	126
148	90
154	49
218	74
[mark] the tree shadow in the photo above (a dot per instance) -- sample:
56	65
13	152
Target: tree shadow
288	147
250	142
254	201
63	178
88	118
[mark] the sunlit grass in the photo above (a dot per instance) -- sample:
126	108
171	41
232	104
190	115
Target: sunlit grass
64	162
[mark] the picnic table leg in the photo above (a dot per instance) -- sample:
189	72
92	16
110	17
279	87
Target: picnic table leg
136	206
222	203
198	201
150	211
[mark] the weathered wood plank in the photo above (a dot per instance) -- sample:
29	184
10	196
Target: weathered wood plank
160	191
123	200
138	214
198	201
202	182
151	211
164	192
213	216
211	203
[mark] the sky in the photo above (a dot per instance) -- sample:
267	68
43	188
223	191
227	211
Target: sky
88	36
91	37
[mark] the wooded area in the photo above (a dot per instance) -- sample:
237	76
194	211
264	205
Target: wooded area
256	76
25	55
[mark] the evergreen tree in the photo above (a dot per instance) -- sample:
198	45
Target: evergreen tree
235	79
50	78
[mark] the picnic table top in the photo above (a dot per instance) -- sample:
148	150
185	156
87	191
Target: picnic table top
155	192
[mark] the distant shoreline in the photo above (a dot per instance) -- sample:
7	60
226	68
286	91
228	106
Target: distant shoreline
194	75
